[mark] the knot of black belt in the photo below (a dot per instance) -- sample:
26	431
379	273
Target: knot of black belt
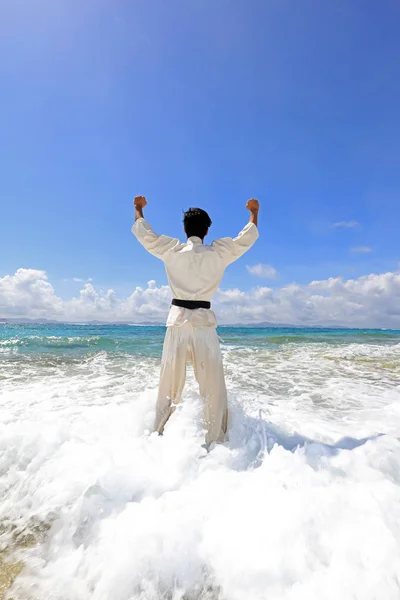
191	304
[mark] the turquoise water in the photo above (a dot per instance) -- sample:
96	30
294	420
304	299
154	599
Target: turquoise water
147	341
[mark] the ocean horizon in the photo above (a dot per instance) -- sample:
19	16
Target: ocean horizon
256	325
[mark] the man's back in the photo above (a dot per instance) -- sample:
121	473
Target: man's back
194	269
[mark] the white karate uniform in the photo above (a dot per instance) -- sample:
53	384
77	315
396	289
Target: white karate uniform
194	272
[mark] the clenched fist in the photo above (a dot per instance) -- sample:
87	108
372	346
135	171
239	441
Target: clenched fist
253	205
139	202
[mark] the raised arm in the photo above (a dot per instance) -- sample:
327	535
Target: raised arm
139	203
230	249
158	245
253	206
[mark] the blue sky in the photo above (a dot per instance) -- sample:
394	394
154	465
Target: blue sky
199	103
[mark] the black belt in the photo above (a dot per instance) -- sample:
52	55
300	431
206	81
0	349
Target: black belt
191	304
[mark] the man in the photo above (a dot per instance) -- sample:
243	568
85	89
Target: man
194	272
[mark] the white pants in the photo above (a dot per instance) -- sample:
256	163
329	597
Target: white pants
200	345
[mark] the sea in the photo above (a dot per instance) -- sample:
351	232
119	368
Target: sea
301	503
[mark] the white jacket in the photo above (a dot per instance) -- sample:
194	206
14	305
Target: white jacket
194	270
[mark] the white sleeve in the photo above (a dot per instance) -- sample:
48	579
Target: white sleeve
230	249
158	245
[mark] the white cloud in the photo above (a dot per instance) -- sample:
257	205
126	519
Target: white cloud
369	301
361	249
346	224
28	293
264	271
79	280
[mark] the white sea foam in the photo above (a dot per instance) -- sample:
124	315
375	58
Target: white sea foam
303	502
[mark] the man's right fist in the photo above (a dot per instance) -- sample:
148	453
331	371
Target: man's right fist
253	205
139	202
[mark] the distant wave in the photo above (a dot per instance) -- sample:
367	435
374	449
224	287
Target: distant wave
58	343
149	340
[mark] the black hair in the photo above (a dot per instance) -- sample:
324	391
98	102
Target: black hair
196	222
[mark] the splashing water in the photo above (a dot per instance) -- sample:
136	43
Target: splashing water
302	502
